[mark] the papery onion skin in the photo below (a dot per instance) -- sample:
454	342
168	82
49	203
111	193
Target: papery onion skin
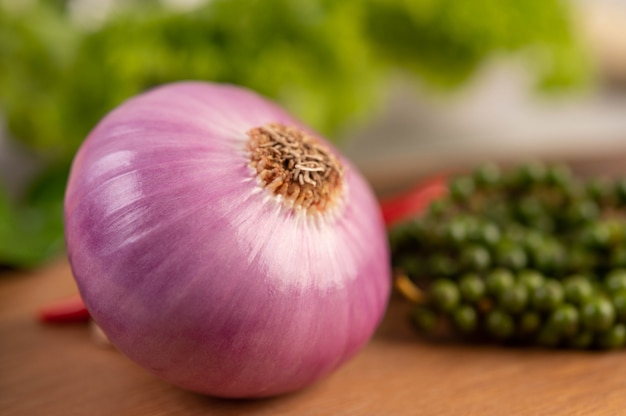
197	273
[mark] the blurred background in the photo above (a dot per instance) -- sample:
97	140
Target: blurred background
405	87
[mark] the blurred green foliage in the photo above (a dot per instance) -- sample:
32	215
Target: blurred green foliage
327	61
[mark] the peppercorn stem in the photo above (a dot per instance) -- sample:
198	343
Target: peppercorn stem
408	289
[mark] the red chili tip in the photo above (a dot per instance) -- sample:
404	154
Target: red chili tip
69	310
414	201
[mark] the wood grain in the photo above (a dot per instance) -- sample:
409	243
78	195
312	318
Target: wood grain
57	370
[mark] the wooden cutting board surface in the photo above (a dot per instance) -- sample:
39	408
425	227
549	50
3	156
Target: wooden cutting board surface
58	370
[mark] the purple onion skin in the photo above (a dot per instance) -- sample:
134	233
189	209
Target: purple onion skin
197	273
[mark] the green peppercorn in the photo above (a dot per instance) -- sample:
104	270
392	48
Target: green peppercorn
498	281
397	238
412	232
432	233
530	209
514	298
582	212
532	173
548	296
533	240
526	224
487	175
465	318
497	211
597	314
617	230
614	337
559	176
581	340
438	207
457	230
511	256
550	258
473	224
620	190
574	192
580	259
564	319
411	265
618	299
488	234
548	336
578	289
424	318
618	256
462	188
444	294
596	235
513	235
544	223
532	279
472	287
500	324
441	264
616	280
475	257
599	189
529	322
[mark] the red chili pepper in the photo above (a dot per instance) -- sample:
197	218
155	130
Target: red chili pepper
65	311
414	201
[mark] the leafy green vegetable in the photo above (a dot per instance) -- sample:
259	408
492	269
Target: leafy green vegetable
32	232
327	61
445	41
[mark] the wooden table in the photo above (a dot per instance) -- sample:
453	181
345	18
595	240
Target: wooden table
58	370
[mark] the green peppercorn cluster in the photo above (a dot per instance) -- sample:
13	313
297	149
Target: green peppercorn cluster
532	255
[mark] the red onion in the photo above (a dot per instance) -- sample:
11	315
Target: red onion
221	244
